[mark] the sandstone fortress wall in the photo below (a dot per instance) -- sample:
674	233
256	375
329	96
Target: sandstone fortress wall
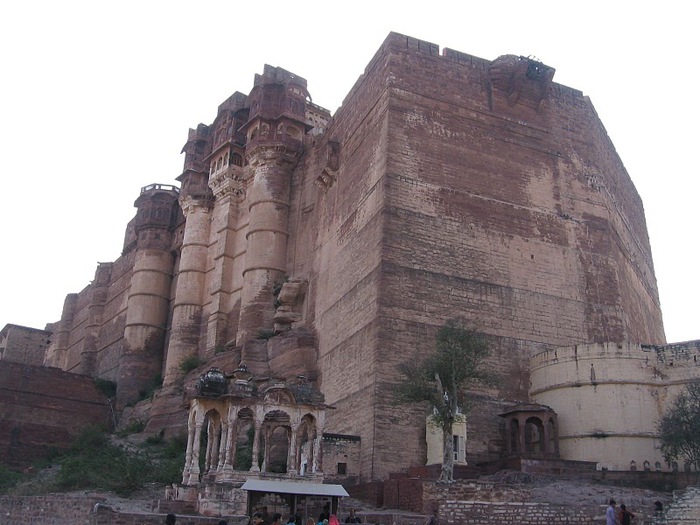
334	246
609	397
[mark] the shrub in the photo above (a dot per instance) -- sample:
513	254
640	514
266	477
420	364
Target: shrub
8	479
189	363
107	387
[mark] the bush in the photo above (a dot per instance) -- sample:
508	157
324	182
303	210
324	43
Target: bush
8	479
95	462
134	427
107	387
189	363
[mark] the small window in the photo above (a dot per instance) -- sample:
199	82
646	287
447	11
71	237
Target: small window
342	469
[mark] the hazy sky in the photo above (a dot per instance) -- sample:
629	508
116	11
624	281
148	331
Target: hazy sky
97	97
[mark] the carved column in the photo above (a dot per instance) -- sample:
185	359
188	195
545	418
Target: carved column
316	464
194	470
292	452
190	445
223	445
232	439
188	303
254	467
265	261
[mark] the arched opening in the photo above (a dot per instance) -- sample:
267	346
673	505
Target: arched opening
534	435
210	443
293	132
244	434
277	427
305	445
514	438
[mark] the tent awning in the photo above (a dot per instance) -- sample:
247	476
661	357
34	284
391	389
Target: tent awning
293	487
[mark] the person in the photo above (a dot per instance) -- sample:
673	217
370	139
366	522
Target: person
352	518
625	515
333	520
170	519
610	513
257	518
291	520
277	519
310	521
265	515
658	506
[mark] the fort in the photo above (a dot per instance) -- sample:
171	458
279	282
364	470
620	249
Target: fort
324	250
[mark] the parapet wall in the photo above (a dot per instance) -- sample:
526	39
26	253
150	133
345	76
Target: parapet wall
609	397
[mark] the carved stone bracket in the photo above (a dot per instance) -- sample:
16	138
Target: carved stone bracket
189	204
290	300
229	183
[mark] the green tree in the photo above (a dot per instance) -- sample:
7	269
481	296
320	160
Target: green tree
679	428
442	379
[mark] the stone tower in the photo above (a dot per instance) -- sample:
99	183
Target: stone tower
275	132
148	297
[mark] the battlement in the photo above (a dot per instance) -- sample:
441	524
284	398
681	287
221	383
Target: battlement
160	187
278	75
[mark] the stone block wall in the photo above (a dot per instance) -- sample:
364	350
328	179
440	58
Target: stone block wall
55	509
64	509
341	458
22	344
454	199
43	409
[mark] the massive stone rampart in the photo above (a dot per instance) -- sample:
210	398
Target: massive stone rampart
609	397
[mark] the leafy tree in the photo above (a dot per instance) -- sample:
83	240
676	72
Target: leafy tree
679	428
442	379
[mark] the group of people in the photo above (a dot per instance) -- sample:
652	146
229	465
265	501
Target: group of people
259	518
170	520
623	517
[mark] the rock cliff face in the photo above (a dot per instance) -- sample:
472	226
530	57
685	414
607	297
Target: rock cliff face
445	186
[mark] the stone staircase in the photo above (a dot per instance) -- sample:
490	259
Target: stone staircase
685	509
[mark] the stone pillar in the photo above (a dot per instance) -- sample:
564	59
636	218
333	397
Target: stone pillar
188	454
254	467
292	453
223	445
231	437
522	441
265	261
194	464
188	303
316	464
